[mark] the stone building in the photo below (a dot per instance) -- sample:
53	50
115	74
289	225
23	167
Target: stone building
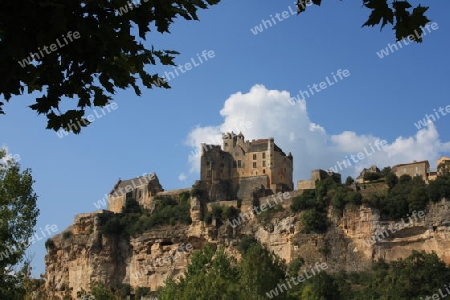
318	174
416	168
443	166
240	167
142	189
371	169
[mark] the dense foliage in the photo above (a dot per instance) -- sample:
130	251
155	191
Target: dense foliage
406	194
134	219
212	274
221	213
405	19
102	48
18	215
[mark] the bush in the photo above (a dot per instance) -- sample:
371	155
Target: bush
50	244
349	180
306	200
266	216
230	213
216	211
245	243
168	211
239	203
196	192
294	266
314	221
208	218
370	176
142	291
66	234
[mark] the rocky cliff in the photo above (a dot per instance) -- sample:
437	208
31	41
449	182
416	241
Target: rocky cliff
82	254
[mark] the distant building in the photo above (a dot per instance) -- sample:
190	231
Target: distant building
416	168
318	174
372	169
243	166
443	166
141	189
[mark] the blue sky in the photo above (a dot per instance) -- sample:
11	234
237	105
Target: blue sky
250	79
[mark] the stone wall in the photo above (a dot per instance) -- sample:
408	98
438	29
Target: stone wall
247	185
306	184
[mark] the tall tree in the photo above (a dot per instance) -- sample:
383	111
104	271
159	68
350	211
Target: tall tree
18	213
83	50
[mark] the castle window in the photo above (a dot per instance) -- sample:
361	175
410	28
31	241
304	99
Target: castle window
254	156
140	194
234	164
207	163
254	165
264	171
226	144
239	164
264	163
221	165
208	173
264	155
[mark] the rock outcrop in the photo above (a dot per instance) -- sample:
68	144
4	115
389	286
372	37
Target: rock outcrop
354	240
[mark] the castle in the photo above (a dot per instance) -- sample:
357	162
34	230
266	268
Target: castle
243	166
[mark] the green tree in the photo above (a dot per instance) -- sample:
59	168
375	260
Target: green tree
256	281
18	214
391	179
349	180
386	171
405	19
314	221
102	50
210	275
439	188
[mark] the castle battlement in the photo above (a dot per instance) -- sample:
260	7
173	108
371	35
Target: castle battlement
241	165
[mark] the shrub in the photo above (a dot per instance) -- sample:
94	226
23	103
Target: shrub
294	266
266	216
239	203
66	234
50	244
349	180
370	176
168	211
142	291
208	218
314	221
306	200
245	243
216	211
196	192
230	213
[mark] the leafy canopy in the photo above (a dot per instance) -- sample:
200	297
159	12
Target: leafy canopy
406	21
107	55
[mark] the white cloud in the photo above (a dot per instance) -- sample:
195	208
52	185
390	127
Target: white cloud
263	113
182	177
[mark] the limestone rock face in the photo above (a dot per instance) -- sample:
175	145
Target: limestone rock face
353	241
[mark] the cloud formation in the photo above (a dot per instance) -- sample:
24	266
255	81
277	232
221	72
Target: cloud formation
270	114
